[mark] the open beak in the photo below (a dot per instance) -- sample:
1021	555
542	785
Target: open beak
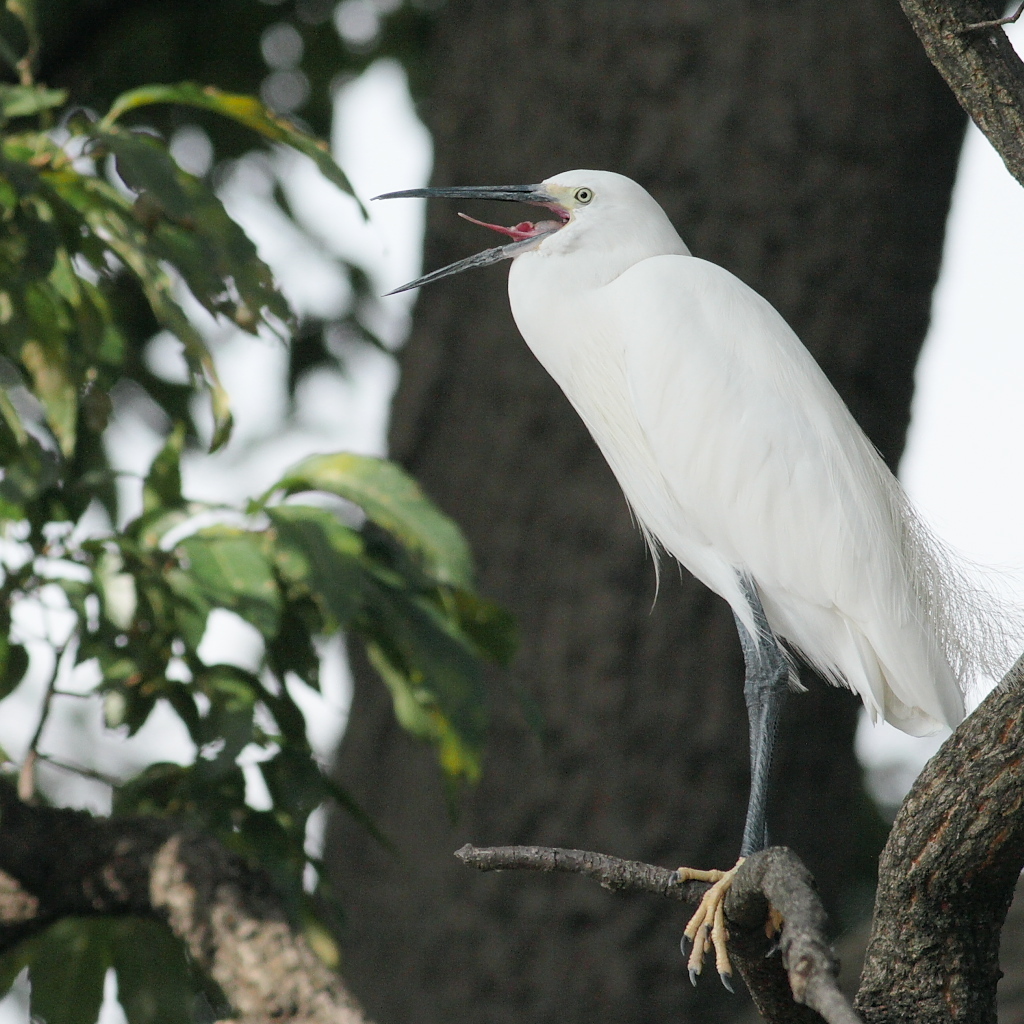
525	236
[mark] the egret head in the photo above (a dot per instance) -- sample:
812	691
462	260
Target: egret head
591	208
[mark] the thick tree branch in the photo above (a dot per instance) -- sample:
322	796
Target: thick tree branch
980	66
947	874
775	882
56	863
786	989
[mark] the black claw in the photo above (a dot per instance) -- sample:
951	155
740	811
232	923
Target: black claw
727	982
684	946
693	976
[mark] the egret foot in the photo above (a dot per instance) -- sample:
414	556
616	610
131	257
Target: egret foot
707	926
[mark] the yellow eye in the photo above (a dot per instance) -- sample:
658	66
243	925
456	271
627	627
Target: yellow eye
583	195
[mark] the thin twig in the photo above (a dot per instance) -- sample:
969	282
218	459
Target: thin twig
27	775
785	990
24	11
611	872
87	773
1010	19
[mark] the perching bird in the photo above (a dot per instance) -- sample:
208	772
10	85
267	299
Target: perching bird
737	457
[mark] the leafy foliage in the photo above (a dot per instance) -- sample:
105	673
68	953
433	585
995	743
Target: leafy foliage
155	981
104	239
101	49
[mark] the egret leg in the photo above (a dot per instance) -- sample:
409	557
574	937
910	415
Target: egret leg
765	686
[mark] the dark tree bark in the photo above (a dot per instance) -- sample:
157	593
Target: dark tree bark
770	886
970	49
57	863
809	148
947	875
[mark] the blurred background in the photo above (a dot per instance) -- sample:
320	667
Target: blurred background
824	187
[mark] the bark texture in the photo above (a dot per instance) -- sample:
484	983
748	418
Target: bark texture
947	875
58	863
809	148
981	67
770	886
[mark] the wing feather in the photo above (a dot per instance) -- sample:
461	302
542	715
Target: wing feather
760	457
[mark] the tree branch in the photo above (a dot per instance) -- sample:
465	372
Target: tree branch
948	871
57	863
978	63
611	872
786	989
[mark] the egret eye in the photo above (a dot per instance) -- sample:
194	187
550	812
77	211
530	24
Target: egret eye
583	195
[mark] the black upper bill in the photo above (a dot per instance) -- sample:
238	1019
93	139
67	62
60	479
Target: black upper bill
533	194
506	193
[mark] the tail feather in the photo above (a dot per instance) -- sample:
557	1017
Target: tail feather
979	632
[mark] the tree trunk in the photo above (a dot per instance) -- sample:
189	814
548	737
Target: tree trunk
809	148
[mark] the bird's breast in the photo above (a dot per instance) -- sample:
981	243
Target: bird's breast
575	336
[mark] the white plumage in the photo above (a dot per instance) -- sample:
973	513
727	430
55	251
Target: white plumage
739	459
736	453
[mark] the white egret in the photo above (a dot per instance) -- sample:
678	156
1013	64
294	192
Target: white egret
738	458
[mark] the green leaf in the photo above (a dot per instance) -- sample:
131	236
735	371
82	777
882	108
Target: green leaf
116	588
26	479
295	782
227	568
154	982
161	788
351	806
188	227
146	166
28	247
12	963
138	707
12	418
394	501
67	968
319	555
55	390
13	666
434	675
275	841
322	942
417	714
26	100
228	722
245	110
167	788
292	650
490	627
162	487
290	720
110	216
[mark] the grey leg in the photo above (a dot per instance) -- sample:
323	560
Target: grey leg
764	688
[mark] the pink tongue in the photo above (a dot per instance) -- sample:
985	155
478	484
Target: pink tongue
526	229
